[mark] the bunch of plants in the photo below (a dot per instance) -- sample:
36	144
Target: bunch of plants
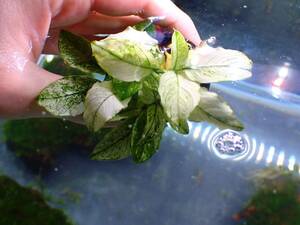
145	84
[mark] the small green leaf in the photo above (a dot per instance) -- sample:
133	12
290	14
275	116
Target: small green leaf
123	89
206	65
215	110
149	91
179	51
65	97
147	132
127	60
179	97
146	25
101	105
132	111
115	144
76	51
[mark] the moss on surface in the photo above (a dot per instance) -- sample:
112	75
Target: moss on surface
276	202
25	206
39	140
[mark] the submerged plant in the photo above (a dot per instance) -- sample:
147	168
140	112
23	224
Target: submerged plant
21	205
276	201
146	86
39	140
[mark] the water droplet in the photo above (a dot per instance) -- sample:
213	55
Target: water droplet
211	40
55	169
155	19
245	6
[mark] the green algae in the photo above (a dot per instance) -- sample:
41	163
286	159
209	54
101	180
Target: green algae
276	201
39	140
25	206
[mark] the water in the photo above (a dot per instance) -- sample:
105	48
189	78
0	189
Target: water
187	182
205	177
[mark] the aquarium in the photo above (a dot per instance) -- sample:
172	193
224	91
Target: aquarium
210	176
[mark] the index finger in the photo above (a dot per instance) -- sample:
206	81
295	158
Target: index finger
173	16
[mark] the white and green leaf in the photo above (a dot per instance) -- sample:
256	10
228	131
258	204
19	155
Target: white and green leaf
65	97
179	51
131	34
179	97
76	51
215	110
147	132
206	65
101	105
127	60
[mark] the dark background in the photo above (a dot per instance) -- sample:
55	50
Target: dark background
267	30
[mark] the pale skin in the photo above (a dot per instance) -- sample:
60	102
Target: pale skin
26	24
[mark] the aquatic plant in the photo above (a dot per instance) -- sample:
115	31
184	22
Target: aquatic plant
38	140
276	201
22	205
146	86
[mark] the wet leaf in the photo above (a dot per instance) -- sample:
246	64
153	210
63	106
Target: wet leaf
123	89
65	97
147	133
206	65
127	60
179	51
76	51
179	97
215	110
149	91
115	144
146	25
101	105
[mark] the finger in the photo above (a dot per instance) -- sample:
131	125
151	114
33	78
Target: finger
95	23
174	17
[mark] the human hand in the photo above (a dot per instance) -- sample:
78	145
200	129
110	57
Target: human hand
25	27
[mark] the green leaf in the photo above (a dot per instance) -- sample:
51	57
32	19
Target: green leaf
146	25
149	91
179	51
215	110
101	105
65	97
127	60
123	89
147	132
76	51
179	97
206	65
132	111
115	144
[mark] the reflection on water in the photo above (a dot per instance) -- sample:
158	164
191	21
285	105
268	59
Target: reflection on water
229	144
